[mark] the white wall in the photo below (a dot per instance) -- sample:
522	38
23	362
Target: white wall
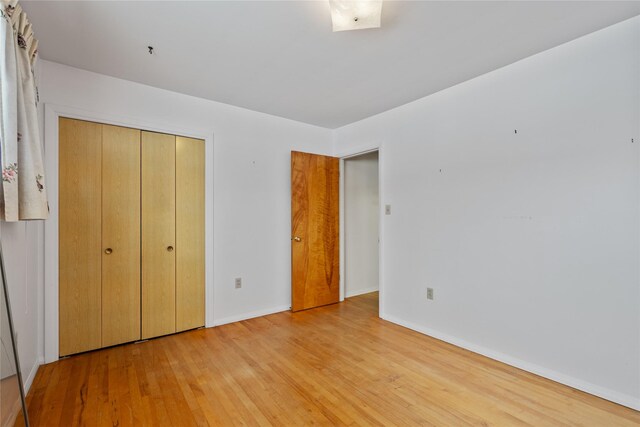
361	213
251	193
23	263
251	177
530	239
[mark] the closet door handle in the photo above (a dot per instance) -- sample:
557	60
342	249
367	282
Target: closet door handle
108	251
170	248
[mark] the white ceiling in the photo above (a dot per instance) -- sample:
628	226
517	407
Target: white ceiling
283	59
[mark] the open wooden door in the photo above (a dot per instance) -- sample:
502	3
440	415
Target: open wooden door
315	243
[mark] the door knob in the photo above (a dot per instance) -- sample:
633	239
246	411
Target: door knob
108	251
170	248
297	239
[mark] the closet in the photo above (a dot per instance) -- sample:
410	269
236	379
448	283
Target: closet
131	235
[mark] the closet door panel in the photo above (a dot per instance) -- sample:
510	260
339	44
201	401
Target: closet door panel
190	155
158	234
120	235
80	189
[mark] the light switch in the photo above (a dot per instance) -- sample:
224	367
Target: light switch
387	209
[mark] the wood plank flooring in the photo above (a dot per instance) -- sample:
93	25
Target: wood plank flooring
334	365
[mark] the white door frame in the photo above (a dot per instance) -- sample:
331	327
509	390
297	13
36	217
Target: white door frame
53	113
344	156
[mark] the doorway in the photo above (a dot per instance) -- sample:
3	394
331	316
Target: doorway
361	198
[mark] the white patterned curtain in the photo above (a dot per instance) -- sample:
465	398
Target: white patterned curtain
22	193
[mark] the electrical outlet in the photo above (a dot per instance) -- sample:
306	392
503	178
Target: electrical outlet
238	282
387	209
429	293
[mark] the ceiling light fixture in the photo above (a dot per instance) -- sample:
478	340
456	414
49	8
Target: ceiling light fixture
355	14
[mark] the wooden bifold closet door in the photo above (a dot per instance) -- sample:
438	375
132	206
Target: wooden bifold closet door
99	239
80	236
189	233
120	235
158	234
131	235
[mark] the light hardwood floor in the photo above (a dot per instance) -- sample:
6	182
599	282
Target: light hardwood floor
334	365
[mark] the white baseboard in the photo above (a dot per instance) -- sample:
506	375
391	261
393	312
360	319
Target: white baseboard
29	379
250	315
605	393
361	292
